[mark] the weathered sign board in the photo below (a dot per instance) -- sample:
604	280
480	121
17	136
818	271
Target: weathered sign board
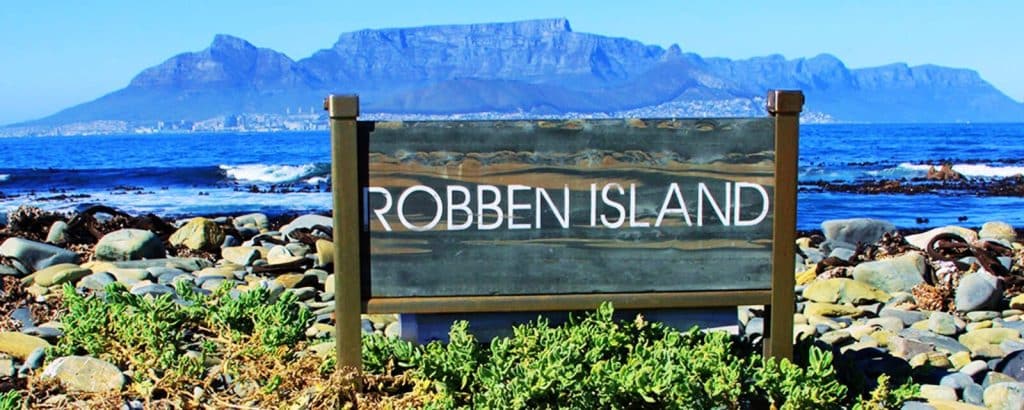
487	216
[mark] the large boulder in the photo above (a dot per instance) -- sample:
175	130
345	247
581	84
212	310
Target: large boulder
978	291
998	230
256	220
306	221
85	374
129	244
921	240
846	233
841	290
20	345
199	234
899	274
35	256
60	274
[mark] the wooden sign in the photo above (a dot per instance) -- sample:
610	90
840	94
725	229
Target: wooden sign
487	216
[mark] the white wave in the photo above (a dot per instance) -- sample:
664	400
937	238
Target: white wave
971	170
268	173
4	177
316	180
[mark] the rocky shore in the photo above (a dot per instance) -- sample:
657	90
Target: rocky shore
941	307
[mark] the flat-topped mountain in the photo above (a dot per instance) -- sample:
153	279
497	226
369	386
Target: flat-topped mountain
533	68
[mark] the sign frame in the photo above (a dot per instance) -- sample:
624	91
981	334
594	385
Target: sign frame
350	252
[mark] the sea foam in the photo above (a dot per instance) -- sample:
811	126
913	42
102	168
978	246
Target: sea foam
274	174
971	170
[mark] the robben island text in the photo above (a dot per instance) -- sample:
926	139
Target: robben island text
611	205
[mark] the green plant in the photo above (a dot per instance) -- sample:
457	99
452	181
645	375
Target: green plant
794	387
885	397
10	400
597	362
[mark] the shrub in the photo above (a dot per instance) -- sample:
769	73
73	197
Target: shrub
597	362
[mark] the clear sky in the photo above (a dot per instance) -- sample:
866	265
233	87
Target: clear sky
57	54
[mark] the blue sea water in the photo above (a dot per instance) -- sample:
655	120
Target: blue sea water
187	174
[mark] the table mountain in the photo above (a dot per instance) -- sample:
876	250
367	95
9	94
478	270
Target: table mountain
536	68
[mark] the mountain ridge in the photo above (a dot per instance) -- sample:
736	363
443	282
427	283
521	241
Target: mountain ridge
533	67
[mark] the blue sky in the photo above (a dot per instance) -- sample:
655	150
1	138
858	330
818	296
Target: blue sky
57	54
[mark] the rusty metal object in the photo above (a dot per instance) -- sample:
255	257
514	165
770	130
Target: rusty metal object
952	247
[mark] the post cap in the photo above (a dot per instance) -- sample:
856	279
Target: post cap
342	106
785	102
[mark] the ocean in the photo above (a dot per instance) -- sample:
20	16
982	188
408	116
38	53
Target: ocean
286	172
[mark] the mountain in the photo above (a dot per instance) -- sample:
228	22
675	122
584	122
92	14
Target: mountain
529	68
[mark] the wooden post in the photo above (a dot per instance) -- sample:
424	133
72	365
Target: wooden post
343	111
785	106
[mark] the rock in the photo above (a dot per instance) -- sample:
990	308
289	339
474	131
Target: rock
850	232
329	284
324	252
952	405
393	330
130	277
916	405
129	244
899	274
942	323
199	234
1005	396
992	378
85	374
56	233
841	290
33	361
1017	302
6	367
830	310
280	254
60	274
256	220
978	291
908	317
941	343
306	221
96	281
958	381
35	256
933	392
152	289
891	323
960	359
974	394
19	344
185	264
906	348
171	276
240	255
1012	365
836	337
998	230
984	340
921	240
842	253
974	368
982	315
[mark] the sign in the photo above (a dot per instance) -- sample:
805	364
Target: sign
474	216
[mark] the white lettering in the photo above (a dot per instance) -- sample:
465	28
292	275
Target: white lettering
563	219
492	206
673	191
702	192
764	204
387	206
632	209
433	195
463	206
613	204
513	206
